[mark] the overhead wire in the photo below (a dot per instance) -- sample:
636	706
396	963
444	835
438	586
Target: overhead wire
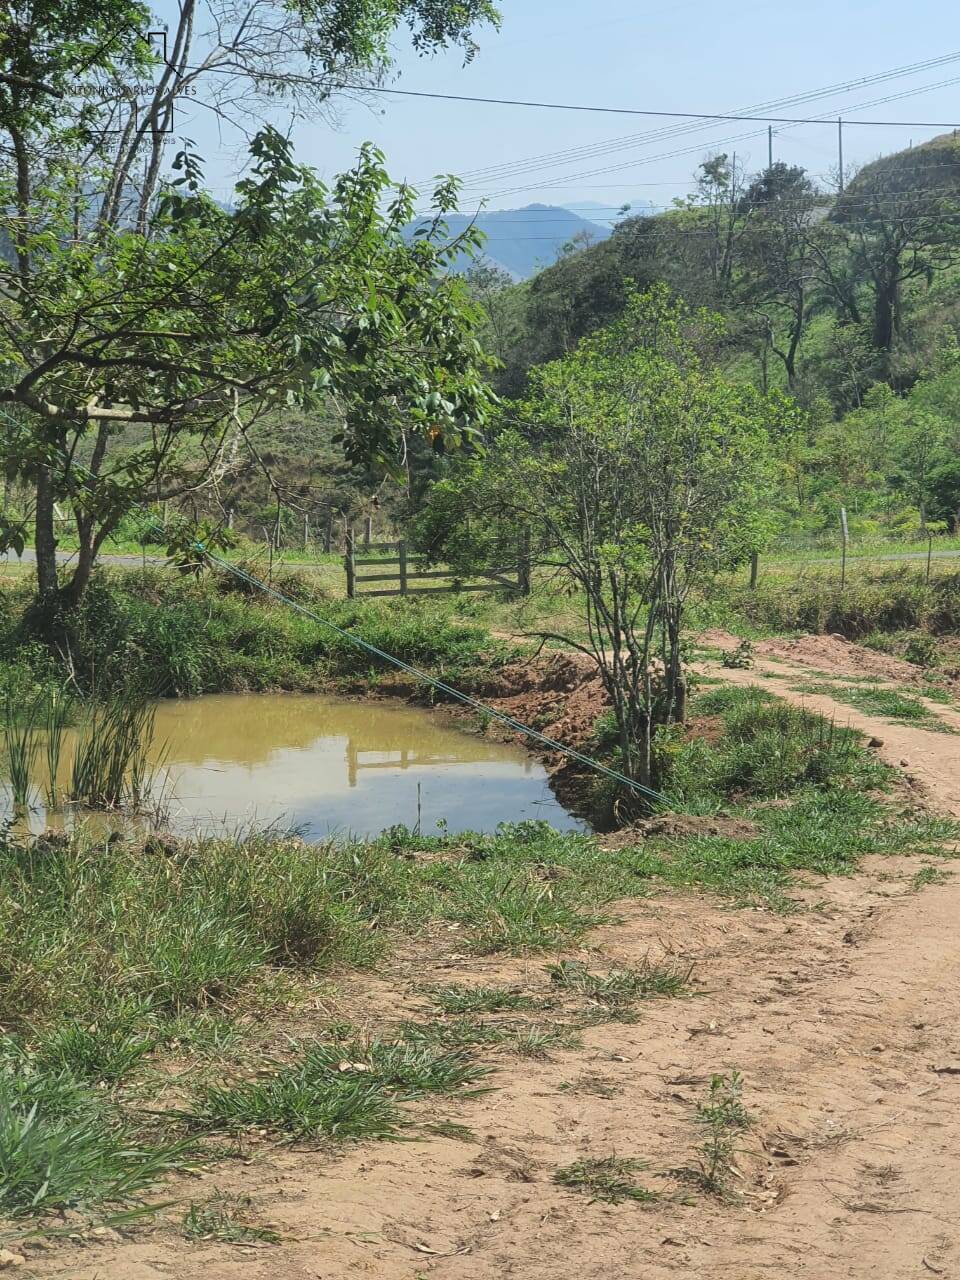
700	147
490	172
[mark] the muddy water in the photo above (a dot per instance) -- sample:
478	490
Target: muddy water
331	766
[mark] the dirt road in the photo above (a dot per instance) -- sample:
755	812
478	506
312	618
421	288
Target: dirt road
844	1020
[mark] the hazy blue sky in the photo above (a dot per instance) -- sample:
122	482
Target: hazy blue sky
692	54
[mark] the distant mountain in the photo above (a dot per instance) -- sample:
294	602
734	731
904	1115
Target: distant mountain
523	241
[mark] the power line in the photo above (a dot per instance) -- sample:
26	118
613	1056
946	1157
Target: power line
614	144
678	115
827	117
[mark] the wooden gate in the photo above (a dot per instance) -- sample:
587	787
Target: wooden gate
400	570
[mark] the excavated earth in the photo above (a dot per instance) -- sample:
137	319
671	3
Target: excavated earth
844	1019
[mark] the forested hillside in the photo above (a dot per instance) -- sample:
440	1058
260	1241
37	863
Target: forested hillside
849	302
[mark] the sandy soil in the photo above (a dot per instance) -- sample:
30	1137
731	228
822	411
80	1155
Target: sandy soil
844	1020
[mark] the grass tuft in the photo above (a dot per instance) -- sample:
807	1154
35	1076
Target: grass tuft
62	1145
225	1219
461	999
610	1179
620	988
339	1091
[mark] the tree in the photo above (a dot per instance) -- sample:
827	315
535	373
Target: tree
643	469
138	364
900	226
778	258
137	317
920	454
493	289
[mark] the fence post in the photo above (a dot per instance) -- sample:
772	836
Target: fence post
328	536
348	564
929	554
754	568
523	563
402	554
306	530
843	557
367	531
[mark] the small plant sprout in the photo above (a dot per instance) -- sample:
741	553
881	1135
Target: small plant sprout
720	1116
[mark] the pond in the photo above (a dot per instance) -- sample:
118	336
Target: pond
331	766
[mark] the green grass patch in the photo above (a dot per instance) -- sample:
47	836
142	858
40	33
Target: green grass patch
218	635
766	749
63	1144
339	1091
887	704
928	875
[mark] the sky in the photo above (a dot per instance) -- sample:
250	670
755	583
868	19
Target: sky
691	55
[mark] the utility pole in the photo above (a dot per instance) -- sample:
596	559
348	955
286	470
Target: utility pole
840	151
769	146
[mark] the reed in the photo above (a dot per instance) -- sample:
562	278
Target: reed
20	745
58	712
110	766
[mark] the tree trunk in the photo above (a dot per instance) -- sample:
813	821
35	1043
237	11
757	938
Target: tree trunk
45	538
86	557
885	311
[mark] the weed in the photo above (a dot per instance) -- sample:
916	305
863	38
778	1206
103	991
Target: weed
610	1178
721	1116
594	1085
62	1145
110	765
928	875
338	1091
58	713
106	1051
767	749
449	1129
739	659
511	910
20	743
527	1040
890	704
224	1218
536	1042
921	650
934	693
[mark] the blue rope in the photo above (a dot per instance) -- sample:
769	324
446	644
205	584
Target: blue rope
432	681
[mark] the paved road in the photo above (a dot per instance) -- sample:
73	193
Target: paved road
64	557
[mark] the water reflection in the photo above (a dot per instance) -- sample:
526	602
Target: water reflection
330	765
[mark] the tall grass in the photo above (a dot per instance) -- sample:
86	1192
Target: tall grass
189	638
20	748
766	749
58	713
894	598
